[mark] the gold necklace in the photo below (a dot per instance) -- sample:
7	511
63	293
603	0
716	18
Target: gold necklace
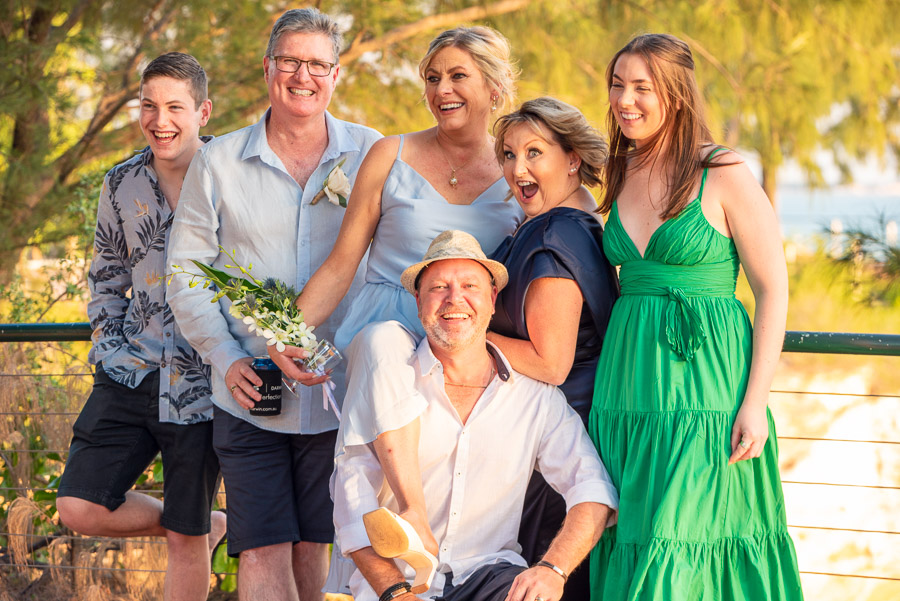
453	180
490	377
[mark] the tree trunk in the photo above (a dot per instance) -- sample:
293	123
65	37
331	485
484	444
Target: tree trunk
769	184
28	200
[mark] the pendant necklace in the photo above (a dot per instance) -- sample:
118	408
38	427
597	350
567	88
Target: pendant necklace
453	181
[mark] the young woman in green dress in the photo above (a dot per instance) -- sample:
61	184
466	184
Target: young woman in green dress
680	413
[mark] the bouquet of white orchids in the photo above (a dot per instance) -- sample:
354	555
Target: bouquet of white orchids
266	306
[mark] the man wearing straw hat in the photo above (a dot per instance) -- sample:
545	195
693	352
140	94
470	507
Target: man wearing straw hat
484	428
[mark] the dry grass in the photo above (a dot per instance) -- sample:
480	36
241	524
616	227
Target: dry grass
45	560
65	566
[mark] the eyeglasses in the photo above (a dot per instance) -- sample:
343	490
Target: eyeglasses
314	67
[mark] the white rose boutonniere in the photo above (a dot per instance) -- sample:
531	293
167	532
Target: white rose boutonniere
336	187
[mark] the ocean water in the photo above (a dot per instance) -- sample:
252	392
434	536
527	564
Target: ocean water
808	215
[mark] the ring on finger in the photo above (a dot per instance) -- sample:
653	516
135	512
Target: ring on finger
744	444
232	388
538	598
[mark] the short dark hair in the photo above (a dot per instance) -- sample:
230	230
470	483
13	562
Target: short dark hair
179	65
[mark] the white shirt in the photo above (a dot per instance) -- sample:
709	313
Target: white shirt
238	194
475	474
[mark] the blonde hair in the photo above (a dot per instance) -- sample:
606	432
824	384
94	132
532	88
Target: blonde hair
567	127
490	51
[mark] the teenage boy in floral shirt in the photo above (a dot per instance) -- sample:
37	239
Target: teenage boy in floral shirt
151	389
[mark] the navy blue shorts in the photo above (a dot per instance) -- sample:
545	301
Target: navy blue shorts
276	484
117	436
489	583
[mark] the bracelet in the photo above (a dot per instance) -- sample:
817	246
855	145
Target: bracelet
557	569
395	590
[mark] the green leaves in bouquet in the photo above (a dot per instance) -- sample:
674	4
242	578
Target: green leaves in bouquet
228	285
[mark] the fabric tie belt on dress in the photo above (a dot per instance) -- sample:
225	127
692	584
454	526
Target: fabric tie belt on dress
684	329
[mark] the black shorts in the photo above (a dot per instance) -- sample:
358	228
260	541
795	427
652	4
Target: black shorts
117	436
276	484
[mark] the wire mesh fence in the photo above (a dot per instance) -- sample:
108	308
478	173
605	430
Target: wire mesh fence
37	553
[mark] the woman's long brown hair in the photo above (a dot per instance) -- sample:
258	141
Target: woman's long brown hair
683	135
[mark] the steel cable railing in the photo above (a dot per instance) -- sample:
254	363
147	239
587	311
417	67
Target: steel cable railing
795	342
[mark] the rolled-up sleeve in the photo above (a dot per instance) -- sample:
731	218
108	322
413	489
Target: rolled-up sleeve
195	237
357	480
569	461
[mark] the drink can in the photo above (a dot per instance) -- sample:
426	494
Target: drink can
268	372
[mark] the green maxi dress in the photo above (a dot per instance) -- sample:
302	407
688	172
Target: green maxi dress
671	378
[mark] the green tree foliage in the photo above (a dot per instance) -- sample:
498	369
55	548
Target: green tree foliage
71	67
784	78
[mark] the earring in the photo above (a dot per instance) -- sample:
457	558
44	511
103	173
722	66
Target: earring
573	169
493	104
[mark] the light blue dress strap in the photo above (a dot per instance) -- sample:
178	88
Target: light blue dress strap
400	148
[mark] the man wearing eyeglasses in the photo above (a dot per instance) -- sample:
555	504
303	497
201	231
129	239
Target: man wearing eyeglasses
254	191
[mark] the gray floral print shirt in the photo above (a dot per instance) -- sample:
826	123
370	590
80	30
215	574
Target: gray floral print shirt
134	330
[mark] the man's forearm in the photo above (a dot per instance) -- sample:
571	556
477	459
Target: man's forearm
580	532
378	571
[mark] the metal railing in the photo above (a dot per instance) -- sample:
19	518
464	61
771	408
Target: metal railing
795	342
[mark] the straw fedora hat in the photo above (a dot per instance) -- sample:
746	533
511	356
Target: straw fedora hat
453	244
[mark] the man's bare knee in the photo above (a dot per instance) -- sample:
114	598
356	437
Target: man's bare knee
309	552
80	515
185	544
268	557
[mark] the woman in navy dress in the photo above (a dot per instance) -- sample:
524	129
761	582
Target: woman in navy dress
551	318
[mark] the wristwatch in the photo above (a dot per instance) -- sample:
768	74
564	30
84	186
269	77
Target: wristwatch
395	590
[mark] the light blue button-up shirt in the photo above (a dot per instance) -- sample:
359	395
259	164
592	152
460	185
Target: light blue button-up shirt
238	194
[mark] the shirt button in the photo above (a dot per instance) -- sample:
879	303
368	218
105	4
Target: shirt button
168	334
459	473
163	364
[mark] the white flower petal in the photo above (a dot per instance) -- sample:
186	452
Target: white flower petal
339	182
332	197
